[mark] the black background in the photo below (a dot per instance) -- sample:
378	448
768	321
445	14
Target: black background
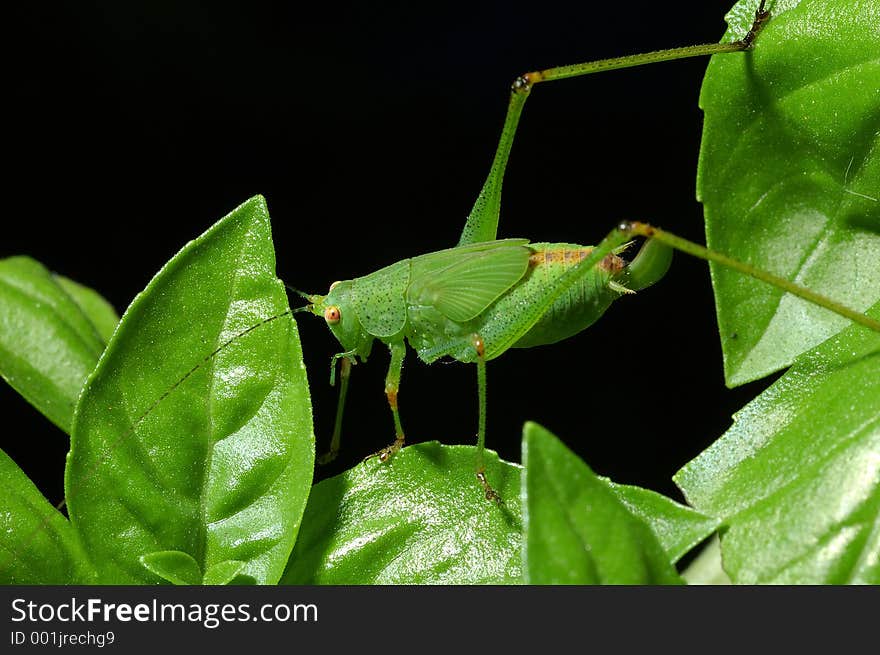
132	126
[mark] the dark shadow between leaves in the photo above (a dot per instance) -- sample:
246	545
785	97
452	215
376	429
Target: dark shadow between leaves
308	555
242	580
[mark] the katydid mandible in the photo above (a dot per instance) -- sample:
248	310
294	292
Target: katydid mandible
473	302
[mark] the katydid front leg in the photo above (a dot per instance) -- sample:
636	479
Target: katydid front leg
344	375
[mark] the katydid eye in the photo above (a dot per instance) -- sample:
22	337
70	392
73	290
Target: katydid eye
332	315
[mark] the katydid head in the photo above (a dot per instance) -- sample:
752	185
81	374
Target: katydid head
337	310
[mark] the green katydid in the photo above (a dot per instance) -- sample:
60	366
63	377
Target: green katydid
513	307
475	301
472	303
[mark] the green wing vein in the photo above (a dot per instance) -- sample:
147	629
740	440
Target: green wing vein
460	285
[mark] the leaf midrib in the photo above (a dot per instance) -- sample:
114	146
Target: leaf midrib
784	490
201	555
758	116
831	217
92	348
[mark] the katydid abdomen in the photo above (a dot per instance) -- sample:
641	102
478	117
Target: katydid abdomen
434	335
581	306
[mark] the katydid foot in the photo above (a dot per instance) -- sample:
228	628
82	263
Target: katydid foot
392	386
388	451
491	494
761	16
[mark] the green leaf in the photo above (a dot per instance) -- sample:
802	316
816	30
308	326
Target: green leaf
577	530
172	565
222	573
93	305
47	345
796	479
194	432
37	544
706	569
422	518
789	175
678	527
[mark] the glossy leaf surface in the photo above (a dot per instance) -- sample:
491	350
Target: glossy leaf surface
422	518
797	478
577	530
48	345
789	175
93	305
37	543
194	433
678	527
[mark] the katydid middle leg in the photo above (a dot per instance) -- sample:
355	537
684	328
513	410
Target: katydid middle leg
480	347
392	386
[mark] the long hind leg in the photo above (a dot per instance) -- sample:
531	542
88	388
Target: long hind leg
482	222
